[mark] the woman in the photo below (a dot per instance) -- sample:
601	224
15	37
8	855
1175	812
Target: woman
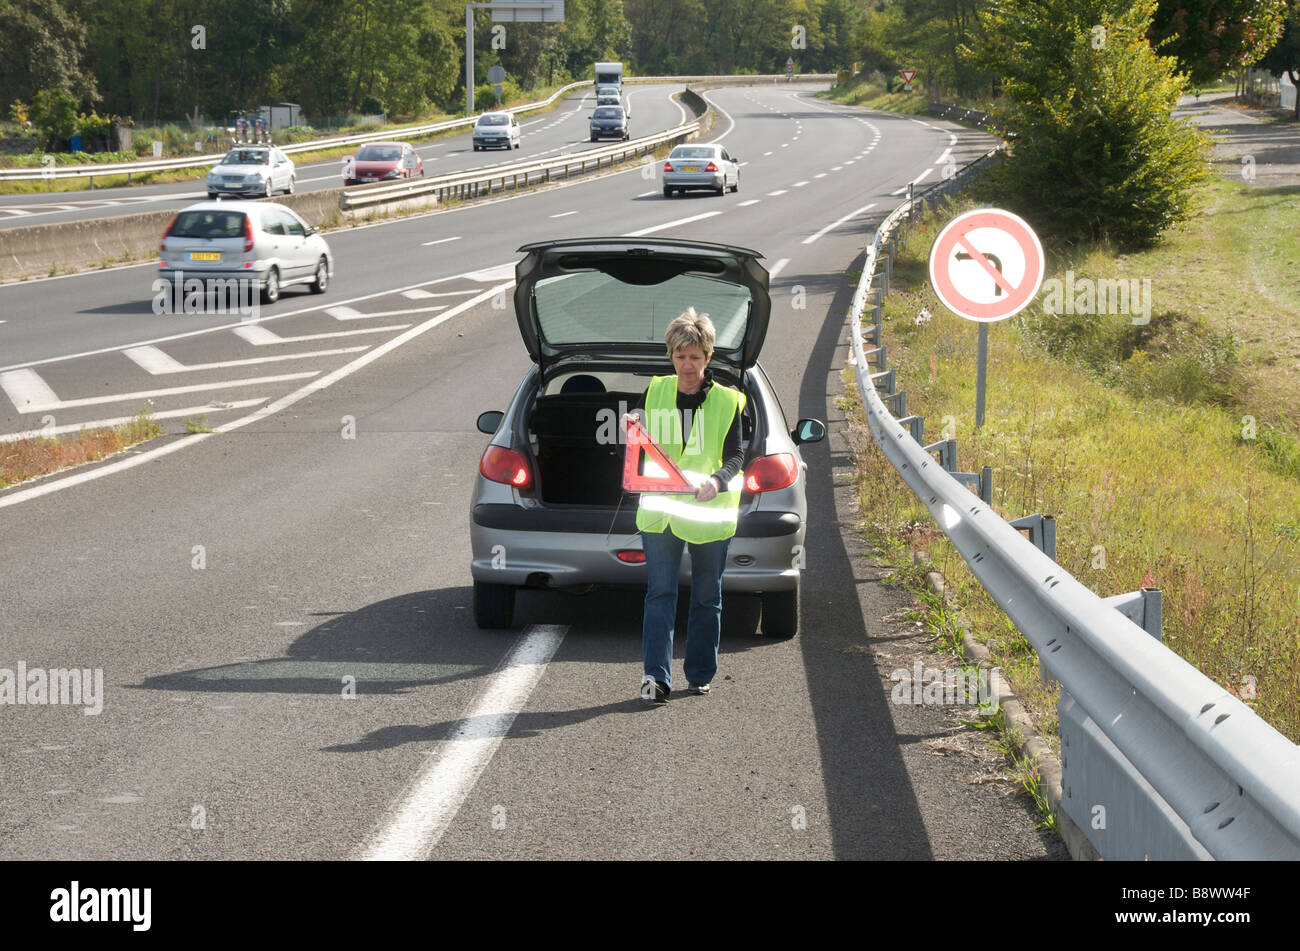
696	422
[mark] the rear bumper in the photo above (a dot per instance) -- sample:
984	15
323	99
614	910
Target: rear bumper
703	180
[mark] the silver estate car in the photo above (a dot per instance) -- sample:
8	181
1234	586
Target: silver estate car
260	242
496	130
548	509
700	166
252	170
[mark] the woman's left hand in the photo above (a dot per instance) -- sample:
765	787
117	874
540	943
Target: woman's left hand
709	490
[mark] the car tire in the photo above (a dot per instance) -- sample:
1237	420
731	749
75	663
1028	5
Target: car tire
271	292
322	277
668	191
289	190
213	196
593	138
736	187
781	613
517	144
475	148
494	605
722	190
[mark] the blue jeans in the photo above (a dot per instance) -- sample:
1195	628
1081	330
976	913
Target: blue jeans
663	558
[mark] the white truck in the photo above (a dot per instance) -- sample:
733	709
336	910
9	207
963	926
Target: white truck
609	74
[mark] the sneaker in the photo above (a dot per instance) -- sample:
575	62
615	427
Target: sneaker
700	689
655	690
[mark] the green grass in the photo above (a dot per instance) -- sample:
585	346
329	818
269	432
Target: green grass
1150	479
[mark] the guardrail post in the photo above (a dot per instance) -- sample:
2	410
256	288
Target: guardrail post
896	403
1042	532
884	382
872	334
986	491
916	424
1144	607
947	449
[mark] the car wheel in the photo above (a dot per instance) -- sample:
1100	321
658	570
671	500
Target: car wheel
322	277
289	190
271	292
721	189
593	138
213	196
517	145
494	605
475	148
736	187
781	613
668	192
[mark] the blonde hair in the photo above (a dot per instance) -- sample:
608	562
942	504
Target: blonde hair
691	330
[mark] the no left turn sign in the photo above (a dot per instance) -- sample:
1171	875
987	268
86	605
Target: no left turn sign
986	265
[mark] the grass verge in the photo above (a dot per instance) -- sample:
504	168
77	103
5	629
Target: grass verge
1154	479
25	459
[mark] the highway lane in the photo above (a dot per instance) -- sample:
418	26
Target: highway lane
226	731
564	129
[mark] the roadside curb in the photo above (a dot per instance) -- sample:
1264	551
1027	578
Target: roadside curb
1031	744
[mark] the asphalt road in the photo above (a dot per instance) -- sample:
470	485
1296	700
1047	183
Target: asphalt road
235	586
564	129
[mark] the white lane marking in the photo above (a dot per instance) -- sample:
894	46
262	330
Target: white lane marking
27	390
785	145
839	221
777	268
838	168
119	420
942	158
434	797
156	362
952	139
799	184
730	120
260	336
653	191
425	244
925	173
316	385
393	313
417	293
766	154
779	191
820	175
170	391
926	124
565	214
671	224
849	161
746	204
342	312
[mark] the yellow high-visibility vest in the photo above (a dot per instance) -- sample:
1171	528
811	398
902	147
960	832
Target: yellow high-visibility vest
699	455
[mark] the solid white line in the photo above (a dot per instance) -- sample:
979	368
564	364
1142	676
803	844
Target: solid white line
392	313
925	173
752	201
158	362
944	156
426	244
27	389
171	391
565	214
671	224
435	795
725	113
835	224
24	495
260	336
119	420
777	268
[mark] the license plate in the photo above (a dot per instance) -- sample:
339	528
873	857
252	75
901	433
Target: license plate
369	178
690	168
204	256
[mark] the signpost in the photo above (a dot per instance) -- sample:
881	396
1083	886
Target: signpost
908	75
986	265
497	76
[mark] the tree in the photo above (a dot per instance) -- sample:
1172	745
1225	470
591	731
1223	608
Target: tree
1284	56
43	46
54	113
1209	38
1097	153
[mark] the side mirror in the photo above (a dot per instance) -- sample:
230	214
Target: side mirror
490	422
309	231
808	430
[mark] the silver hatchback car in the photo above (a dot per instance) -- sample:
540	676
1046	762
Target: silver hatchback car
259	242
549	509
700	166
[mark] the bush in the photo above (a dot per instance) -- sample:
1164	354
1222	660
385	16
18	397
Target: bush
54	113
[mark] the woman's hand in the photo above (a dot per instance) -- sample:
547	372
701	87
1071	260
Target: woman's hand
709	490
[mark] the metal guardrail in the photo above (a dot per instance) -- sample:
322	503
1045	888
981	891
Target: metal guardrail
1158	761
519	174
212	158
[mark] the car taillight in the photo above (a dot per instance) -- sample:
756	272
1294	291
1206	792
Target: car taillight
710	167
668	166
631	556
248	233
506	466
768	473
162	245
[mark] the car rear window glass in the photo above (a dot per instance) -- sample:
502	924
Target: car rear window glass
208	224
493	120
591	307
380	153
686	153
609	112
247	157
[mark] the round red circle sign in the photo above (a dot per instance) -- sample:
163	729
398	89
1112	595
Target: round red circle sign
986	265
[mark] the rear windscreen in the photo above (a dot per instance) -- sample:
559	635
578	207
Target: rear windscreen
595	307
208	224
613	112
380	153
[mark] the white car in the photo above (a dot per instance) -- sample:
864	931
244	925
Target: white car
262	243
258	170
496	130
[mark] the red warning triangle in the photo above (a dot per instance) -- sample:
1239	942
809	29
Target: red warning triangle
662	474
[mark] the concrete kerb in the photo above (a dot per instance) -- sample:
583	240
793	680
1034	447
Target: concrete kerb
1032	746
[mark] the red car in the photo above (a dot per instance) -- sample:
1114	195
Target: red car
383	161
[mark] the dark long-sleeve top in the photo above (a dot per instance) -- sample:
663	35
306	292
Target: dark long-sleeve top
733	454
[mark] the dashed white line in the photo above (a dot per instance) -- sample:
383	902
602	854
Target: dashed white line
800	184
779	191
777	268
671	224
746	204
431	801
820	175
839	221
766	154
425	244
565	214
